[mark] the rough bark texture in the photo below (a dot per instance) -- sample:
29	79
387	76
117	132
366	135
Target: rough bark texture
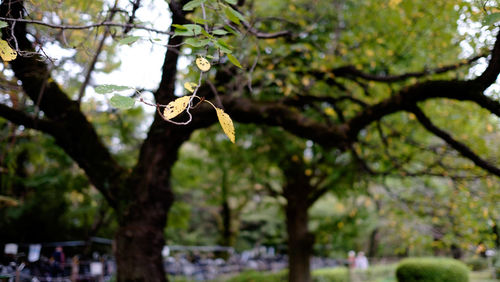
300	241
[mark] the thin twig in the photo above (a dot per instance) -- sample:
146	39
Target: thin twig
89	26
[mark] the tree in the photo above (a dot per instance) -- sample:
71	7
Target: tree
351	78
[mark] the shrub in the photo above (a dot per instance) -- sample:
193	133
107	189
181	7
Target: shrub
336	274
432	270
477	263
254	276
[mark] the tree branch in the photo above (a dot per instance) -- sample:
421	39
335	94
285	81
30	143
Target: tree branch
351	71
20	118
74	133
460	147
89	26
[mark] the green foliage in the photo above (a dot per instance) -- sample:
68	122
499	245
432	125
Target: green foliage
492	18
110	88
129	39
122	102
255	276
477	263
336	274
432	270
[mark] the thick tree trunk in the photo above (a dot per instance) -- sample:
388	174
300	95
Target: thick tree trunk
300	241
138	245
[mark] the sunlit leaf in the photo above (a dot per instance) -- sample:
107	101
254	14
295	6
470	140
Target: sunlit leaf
129	40
187	30
203	64
176	107
492	18
226	123
3	24
6	52
195	42
223	46
232	2
233	15
192	4
109	88
122	102
190	86
219	32
233	60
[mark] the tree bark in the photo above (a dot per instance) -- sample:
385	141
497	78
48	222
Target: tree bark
300	240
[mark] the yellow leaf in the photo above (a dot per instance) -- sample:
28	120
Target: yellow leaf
203	64
226	123
190	86
6	52
176	107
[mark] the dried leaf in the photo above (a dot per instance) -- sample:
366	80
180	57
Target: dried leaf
226	123
6	52
190	86
176	107
203	64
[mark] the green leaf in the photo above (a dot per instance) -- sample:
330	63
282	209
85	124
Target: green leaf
233	60
223	46
108	88
204	32
192	4
492	18
3	24
231	30
199	21
232	2
179	27
188	30
233	15
129	40
197	42
219	32
122	102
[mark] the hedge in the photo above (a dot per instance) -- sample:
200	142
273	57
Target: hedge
432	270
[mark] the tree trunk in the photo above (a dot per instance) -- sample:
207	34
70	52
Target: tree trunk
300	240
373	243
138	245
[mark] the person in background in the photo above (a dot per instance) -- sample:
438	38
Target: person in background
58	261
361	261
351	259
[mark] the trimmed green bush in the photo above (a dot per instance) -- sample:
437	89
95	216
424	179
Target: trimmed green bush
477	263
432	270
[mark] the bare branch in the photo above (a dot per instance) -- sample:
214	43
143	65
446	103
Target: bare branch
89	26
96	56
